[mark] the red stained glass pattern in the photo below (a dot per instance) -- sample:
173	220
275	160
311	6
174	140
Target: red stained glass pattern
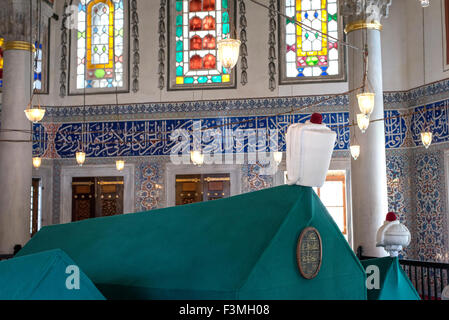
208	5
195	5
209	42
195	43
210	61
196	62
209	23
195	24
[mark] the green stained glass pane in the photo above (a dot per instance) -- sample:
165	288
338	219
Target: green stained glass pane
289	21
178	31
99	73
226	28
104	49
216	79
224	4
306	35
188	80
96	49
178	56
178	5
178	45
179	71
179	20
312	61
202	79
225	17
81	34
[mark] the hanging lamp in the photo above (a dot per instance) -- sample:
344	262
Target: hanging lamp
120	164
34	114
366	102
37	161
277	156
228	52
355	151
362	122
80	157
425	3
426	138
196	157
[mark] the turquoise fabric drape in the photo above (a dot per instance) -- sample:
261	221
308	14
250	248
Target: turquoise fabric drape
394	283
42	276
243	247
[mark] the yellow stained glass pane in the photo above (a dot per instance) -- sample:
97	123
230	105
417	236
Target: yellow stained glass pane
298	4
179	80
323	4
1	59
89	35
226	78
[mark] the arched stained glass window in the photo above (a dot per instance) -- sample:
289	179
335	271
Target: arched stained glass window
196	26
101	46
38	67
1	62
305	54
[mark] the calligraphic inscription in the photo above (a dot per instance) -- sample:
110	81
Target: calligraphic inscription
309	252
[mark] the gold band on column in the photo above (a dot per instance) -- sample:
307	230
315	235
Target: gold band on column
19	45
361	24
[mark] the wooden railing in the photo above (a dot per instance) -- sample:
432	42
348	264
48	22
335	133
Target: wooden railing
429	278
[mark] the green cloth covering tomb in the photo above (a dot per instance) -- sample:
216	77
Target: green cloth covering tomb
242	247
42	276
394	283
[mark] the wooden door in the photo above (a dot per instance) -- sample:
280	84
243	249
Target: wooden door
109	196
83	198
216	186
34	206
188	189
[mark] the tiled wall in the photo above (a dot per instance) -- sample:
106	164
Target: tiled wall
416	176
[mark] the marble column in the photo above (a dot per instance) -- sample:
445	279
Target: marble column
15	154
368	172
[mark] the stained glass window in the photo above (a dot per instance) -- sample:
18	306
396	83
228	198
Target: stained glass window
196	27
39	84
1	62
38	66
100	44
306	54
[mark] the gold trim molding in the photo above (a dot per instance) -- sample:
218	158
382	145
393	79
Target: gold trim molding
19	45
361	24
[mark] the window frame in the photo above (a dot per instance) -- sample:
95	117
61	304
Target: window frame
342	65
73	56
339	178
171	53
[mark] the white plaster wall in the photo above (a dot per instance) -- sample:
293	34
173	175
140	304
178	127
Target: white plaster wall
402	58
434	43
394	40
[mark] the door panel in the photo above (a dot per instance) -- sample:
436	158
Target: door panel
96	197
